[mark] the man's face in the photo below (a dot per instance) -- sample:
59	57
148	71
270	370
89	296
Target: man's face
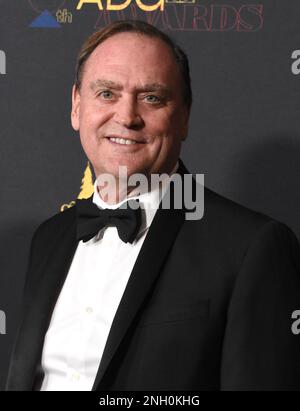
131	89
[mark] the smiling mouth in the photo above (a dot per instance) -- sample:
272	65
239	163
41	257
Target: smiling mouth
123	141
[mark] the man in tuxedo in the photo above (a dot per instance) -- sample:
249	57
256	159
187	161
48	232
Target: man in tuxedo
144	298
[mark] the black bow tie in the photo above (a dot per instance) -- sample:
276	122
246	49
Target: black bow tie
91	219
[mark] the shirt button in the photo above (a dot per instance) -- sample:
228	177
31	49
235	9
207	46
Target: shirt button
89	310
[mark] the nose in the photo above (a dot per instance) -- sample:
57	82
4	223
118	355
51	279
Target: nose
127	114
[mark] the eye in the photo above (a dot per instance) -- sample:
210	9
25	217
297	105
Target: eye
151	98
105	94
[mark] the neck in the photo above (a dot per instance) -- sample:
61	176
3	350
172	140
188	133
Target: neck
114	195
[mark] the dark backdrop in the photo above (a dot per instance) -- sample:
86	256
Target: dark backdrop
244	132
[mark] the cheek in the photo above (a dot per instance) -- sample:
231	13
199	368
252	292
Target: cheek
91	116
168	122
88	119
168	130
162	122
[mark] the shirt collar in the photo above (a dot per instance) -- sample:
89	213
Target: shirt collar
149	201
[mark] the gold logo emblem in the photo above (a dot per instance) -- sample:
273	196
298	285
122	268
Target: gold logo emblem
86	189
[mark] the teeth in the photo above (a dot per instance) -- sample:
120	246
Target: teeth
121	140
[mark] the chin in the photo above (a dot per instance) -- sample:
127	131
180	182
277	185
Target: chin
131	168
112	168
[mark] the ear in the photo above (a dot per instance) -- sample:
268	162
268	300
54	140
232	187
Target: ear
75	108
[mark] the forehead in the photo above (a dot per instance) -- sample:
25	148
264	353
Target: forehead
134	56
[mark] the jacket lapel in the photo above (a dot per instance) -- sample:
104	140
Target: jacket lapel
146	270
47	280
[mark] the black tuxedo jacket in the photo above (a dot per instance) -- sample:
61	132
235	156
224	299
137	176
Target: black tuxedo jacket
207	307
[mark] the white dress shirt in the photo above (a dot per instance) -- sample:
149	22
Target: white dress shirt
90	296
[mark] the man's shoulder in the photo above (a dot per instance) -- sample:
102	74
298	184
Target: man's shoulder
224	214
233	224
229	230
56	224
219	207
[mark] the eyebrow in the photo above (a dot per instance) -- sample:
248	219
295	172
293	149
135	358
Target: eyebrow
116	86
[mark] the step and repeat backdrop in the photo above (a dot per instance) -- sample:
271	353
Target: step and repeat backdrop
245	125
